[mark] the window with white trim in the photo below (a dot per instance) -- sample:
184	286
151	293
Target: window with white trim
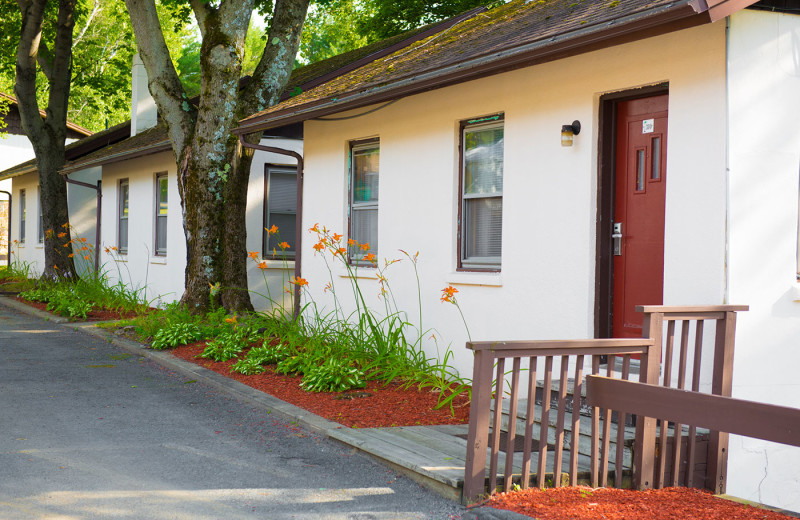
161	214
280	210
364	177
122	216
481	194
40	226
23	214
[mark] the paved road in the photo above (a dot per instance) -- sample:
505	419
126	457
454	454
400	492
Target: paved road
89	431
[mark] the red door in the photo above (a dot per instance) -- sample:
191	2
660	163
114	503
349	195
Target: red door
640	179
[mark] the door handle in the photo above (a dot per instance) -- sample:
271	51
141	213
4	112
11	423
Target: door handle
616	237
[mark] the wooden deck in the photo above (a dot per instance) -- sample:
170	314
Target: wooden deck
434	456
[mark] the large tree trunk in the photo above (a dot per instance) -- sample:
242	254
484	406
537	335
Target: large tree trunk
48	136
213	170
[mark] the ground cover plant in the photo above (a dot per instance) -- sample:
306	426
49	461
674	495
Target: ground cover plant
584	503
76	298
17	275
331	350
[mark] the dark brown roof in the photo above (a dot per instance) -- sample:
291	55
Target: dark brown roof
78	131
303	78
76	149
146	142
513	35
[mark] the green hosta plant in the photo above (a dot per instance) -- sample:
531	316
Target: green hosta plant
227	345
334	375
269	354
176	334
299	363
36	295
247	366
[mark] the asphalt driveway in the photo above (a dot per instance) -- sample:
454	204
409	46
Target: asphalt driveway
88	430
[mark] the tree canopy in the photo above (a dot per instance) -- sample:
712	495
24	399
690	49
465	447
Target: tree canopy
103	46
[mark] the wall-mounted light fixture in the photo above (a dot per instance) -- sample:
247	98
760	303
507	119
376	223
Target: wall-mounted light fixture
568	131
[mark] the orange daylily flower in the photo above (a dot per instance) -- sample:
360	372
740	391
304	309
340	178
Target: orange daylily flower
341	251
284	245
299	281
83	240
113	248
65	225
272	230
84	248
351	242
61	235
337	237
232	319
315	229
371	258
448	294
70	255
262	265
86	257
365	247
253	255
319	246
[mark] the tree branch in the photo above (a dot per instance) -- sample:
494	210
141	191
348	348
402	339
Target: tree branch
275	66
58	95
95	10
27	52
201	13
163	81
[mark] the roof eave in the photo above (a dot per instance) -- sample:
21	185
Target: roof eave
678	15
161	146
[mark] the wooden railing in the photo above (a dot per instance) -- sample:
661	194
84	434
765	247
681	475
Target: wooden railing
721	384
489	392
489	374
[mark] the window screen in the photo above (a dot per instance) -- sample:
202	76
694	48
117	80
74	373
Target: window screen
364	177
122	229
161	214
482	194
23	214
280	210
40	229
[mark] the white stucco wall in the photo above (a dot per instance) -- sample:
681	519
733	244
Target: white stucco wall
764	81
278	272
546	287
161	275
81	202
164	275
15	149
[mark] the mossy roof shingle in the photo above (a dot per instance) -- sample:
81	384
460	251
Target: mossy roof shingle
469	48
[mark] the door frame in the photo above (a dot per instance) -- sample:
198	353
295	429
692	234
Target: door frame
606	167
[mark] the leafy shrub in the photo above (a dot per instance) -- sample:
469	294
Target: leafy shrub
176	334
334	375
227	345
299	363
268	354
247	366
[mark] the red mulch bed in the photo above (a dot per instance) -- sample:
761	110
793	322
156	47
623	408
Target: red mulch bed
362	408
93	315
584	503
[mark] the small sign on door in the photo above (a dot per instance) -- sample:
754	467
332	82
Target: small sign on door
648	125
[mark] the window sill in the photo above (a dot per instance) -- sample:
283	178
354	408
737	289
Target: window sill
39	246
162	260
365	273
475	278
279	264
121	258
